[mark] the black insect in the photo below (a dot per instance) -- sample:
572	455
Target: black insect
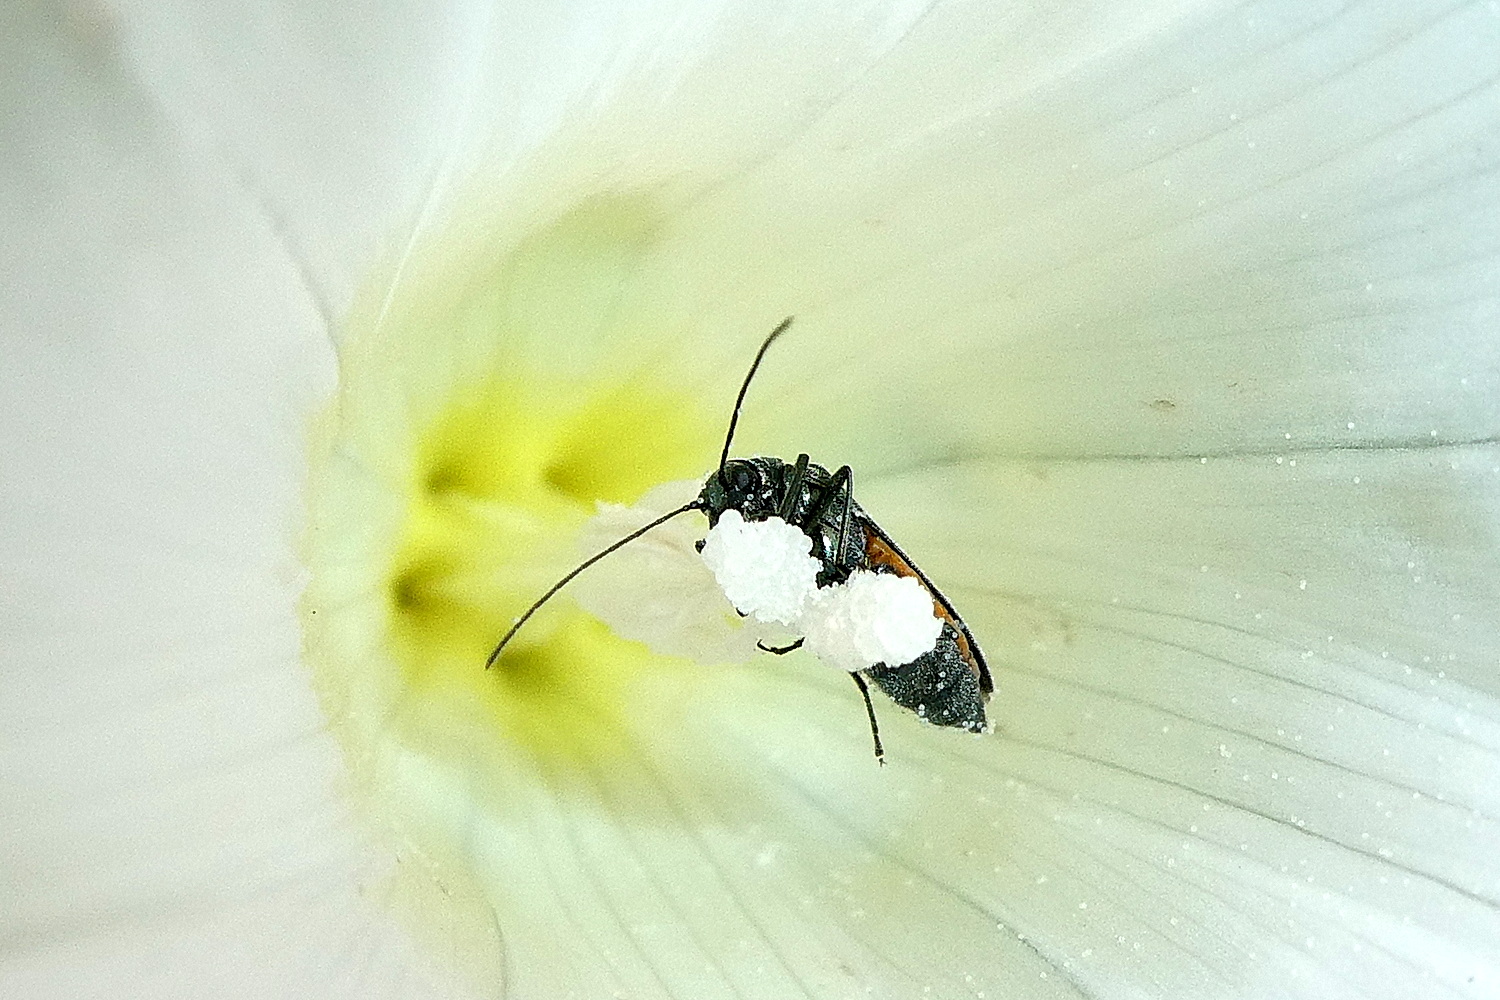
947	686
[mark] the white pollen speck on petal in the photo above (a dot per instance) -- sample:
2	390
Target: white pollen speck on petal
764	567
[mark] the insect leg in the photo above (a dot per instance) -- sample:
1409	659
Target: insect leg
779	650
843	480
864	689
794	487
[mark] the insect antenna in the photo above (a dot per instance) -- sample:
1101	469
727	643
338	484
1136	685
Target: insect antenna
495	655
734	418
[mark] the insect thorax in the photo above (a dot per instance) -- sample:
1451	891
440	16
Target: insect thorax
758	488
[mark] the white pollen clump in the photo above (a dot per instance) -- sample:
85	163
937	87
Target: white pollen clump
872	618
764	567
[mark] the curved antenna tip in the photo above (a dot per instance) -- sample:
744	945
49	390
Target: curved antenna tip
734	418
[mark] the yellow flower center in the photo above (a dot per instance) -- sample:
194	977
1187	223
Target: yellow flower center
482	412
505	476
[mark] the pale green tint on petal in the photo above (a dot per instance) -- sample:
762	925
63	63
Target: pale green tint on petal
1259	218
1243	222
1257	665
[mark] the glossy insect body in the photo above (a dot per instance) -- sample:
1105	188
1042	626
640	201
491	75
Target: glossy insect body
949	684
805	495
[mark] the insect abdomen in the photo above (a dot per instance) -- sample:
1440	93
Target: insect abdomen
938	685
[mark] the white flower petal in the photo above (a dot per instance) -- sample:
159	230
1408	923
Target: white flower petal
337	122
657	590
1254	674
907	186
169	789
1202	233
